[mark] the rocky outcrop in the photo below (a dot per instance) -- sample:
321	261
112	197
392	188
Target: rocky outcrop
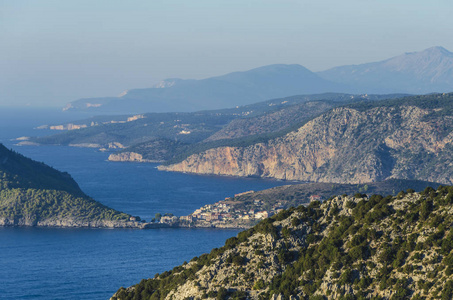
69	222
127	156
345	145
86	145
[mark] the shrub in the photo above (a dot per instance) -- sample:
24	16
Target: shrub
259	285
222	294
238	260
351	204
346	277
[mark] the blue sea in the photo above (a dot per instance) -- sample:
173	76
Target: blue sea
52	263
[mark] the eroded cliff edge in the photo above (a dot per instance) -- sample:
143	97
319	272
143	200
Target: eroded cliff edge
345	145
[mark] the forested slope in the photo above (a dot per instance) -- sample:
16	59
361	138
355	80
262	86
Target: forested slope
34	194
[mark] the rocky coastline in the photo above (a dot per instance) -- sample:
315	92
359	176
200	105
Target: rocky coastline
401	141
129	157
69	223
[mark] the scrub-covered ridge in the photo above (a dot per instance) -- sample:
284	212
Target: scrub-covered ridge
348	247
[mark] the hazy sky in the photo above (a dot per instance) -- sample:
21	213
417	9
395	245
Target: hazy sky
53	52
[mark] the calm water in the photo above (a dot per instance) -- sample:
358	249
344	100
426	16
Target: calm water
41	263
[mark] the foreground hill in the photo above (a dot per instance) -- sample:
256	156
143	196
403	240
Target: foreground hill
34	194
246	209
344	248
407	138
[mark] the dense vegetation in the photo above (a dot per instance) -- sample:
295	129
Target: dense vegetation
32	192
17	171
30	206
394	247
443	102
297	194
152	126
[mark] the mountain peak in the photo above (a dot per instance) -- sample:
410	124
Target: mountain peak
166	83
421	72
432	52
437	50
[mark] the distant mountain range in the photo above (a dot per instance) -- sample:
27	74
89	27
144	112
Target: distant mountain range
238	88
422	72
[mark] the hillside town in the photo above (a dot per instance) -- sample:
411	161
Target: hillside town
229	213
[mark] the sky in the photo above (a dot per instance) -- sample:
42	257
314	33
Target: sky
53	52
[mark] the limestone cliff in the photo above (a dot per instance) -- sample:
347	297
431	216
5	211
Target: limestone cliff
127	156
345	145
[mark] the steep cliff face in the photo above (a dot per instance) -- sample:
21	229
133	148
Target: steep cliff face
347	145
127	156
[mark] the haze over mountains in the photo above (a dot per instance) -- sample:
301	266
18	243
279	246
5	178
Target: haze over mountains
238	88
421	72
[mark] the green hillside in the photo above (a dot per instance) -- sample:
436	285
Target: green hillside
34	194
360	247
18	171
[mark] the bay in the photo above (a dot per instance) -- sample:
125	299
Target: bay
52	263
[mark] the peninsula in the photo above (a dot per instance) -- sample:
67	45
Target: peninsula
34	194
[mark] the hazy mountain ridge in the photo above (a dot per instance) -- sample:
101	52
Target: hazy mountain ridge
421	72
427	71
344	248
408	138
237	88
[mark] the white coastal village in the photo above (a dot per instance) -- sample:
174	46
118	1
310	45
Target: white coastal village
227	213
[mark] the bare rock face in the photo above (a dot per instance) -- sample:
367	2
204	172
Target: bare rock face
345	145
127	156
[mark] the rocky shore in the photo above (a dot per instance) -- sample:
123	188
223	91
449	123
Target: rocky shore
128	156
70	223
